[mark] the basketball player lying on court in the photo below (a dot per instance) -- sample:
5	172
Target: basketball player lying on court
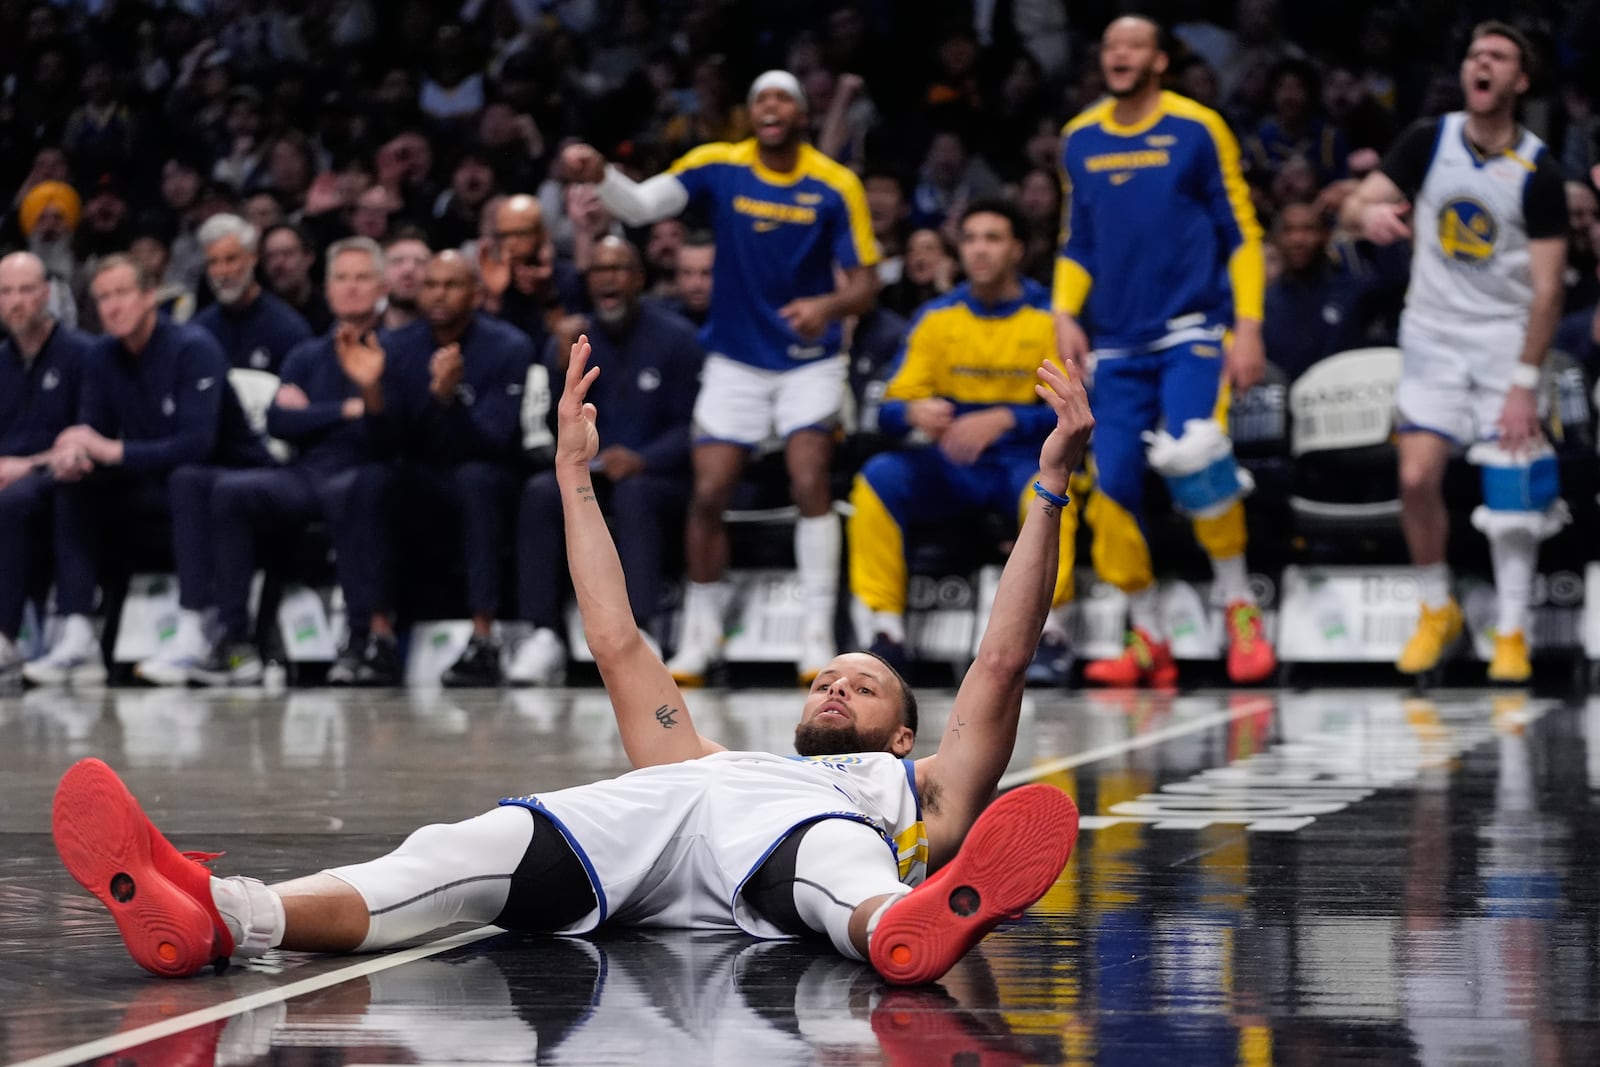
835	843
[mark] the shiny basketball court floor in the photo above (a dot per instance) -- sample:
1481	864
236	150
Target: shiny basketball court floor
1299	878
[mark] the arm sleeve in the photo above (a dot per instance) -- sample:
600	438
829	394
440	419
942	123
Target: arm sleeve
1074	274
641	203
201	380
294	425
1235	218
1544	200
669	450
853	244
913	377
1406	163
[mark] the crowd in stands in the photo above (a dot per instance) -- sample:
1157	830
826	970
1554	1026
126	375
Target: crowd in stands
359	179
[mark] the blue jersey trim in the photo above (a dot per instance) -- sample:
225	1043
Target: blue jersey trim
532	804
911	783
1417	427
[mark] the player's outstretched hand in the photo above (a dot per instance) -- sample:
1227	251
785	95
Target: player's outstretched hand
1063	449
577	440
583	163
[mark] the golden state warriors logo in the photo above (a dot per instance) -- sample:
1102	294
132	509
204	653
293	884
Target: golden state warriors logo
1467	231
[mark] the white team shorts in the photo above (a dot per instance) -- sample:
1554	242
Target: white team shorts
1453	380
746	405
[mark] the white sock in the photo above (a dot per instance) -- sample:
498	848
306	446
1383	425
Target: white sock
1144	611
890	624
1433	585
252	912
1055	623
703	604
1231	580
1515	557
190	639
816	555
77	634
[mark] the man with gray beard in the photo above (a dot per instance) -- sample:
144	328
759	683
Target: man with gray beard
649	362
255	328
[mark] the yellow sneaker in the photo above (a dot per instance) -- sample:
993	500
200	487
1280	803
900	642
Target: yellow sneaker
1437	629
1510	663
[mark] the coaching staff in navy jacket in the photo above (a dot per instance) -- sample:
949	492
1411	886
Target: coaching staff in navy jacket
255	328
649	362
460	379
40	374
157	420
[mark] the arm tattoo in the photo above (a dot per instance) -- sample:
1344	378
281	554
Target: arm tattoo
955	727
586	493
664	716
1050	509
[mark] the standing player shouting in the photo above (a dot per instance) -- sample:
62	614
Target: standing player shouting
1489	212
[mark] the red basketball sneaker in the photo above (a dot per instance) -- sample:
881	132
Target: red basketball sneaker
1144	661
1011	858
1250	655
160	897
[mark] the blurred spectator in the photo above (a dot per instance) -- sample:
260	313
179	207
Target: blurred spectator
264	210
260	34
1296	128
661	247
950	178
591	221
180	202
718	114
101	136
1313	309
48	216
514	145
457	210
844	114
889	205
650	372
374	208
1195	78
1039	199
150	251
254	328
524	282
954	94
453	89
291	166
1349	105
692	278
930	271
287	259
1583	210
406	255
244	162
1578	334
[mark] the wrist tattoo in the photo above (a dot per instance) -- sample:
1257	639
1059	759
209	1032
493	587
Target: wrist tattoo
664	716
1050	510
586	493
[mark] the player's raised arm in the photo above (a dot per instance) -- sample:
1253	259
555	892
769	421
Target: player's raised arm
982	729
634	203
650	710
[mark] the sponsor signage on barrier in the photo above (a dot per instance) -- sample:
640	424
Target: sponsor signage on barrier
766	618
149	619
1366	614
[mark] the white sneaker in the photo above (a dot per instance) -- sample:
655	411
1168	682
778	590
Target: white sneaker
175	664
10	656
74	660
816	652
540	660
693	661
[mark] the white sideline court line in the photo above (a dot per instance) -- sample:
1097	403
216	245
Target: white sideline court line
105	1046
1132	744
227	1009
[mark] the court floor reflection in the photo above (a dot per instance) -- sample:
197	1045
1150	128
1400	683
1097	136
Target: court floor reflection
1310	878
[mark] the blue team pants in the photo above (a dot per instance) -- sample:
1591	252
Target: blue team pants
644	508
247	504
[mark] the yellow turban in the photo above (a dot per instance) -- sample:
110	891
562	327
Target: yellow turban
58	195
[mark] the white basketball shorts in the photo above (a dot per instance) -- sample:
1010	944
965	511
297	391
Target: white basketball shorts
746	405
1453	380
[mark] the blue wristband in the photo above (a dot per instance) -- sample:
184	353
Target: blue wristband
1059	500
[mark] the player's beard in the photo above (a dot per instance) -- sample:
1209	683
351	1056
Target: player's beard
1140	84
815	739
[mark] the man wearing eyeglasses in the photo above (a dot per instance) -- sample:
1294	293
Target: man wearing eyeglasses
649	362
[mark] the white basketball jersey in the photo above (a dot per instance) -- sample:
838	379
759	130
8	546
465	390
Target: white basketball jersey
1471	257
672	845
